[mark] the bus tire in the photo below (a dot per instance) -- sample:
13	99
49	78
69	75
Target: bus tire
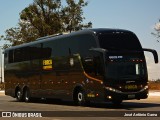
27	97
19	96
80	98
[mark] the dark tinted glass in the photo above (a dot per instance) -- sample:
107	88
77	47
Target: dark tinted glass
119	41
35	52
10	59
125	70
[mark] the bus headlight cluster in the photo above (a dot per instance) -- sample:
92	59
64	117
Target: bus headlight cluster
113	89
145	88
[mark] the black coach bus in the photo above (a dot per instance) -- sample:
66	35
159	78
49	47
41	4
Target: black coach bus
85	66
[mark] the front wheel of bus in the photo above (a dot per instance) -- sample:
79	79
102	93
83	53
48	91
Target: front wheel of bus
27	95
80	98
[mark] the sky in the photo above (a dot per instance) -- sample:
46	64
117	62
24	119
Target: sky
138	16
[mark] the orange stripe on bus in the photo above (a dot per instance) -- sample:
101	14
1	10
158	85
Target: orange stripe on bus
92	78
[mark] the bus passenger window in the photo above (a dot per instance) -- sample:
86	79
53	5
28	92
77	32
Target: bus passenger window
88	64
10	60
93	65
98	69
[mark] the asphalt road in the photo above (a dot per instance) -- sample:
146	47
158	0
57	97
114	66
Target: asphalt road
65	110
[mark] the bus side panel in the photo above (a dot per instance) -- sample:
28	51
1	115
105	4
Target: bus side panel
8	76
9	86
48	84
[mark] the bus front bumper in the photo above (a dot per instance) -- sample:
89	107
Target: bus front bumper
113	94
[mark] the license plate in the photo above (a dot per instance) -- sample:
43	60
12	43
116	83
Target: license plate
131	87
131	96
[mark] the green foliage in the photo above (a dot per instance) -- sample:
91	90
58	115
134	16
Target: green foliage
46	17
43	16
72	15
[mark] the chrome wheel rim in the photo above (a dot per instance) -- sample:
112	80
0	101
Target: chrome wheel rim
80	97
26	96
18	95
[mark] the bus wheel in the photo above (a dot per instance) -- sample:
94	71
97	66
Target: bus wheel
80	98
116	102
19	95
27	96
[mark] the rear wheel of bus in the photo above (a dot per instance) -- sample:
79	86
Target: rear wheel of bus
19	96
27	97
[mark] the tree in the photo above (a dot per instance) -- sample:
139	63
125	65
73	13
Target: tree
22	34
47	17
44	16
72	15
157	30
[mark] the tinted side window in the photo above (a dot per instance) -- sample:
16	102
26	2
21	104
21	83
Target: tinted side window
79	44
21	54
85	43
26	53
47	50
10	59
17	55
35	51
94	65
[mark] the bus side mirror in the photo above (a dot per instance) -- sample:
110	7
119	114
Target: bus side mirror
154	52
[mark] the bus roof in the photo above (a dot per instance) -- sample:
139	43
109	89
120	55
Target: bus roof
81	32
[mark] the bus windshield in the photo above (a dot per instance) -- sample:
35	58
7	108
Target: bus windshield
121	41
125	70
126	61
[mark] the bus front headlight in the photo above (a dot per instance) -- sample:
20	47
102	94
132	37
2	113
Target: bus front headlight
145	88
113	89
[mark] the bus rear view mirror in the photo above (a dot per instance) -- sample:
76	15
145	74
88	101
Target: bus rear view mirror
154	52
